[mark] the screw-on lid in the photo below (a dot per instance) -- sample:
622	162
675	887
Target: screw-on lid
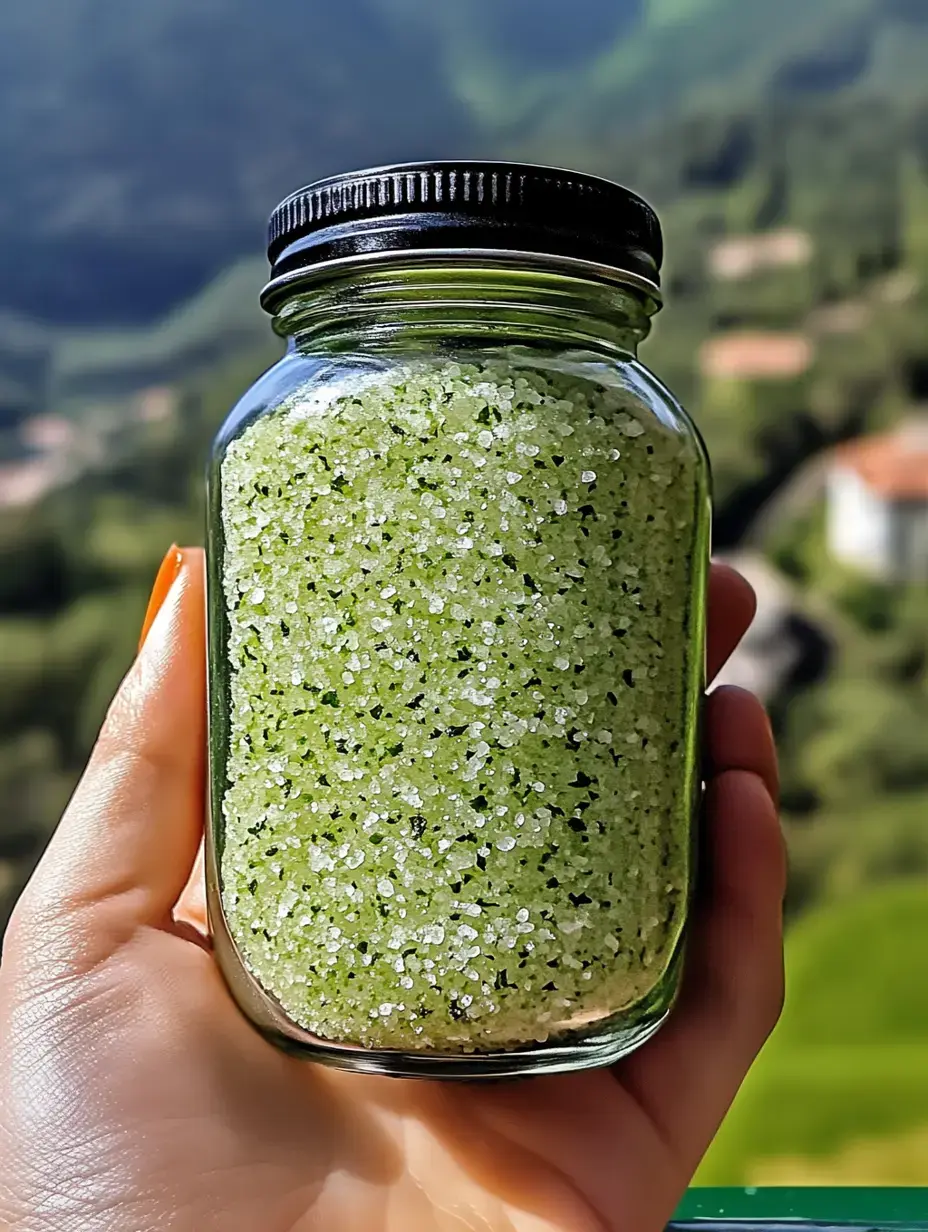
466	207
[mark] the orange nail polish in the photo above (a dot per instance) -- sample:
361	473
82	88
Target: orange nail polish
167	576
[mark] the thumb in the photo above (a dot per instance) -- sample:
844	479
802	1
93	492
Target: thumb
128	840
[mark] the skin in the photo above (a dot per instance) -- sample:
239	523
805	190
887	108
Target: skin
135	1098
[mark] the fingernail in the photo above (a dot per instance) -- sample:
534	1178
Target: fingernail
167	576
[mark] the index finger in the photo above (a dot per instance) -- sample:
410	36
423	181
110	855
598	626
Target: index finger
732	604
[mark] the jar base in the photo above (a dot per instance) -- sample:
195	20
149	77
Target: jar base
590	1052
565	1058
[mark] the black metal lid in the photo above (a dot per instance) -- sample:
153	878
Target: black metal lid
466	206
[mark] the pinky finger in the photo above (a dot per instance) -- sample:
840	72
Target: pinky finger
687	1077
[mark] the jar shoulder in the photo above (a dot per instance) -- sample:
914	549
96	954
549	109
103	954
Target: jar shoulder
616	382
269	392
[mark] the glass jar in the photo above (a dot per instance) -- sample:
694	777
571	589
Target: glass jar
458	552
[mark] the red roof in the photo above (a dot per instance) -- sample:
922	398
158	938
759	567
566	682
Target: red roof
894	466
756	355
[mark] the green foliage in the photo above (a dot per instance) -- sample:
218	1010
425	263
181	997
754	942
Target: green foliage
75	574
23	653
839	853
856	745
858	739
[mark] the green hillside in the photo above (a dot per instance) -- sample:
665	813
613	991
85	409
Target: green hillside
147	142
516	65
71	370
849	1061
218	323
143	145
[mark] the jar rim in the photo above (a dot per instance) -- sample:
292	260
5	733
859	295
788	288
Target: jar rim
281	287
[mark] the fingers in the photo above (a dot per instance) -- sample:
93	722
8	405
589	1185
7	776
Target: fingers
688	1075
126	845
191	906
735	989
738	737
732	605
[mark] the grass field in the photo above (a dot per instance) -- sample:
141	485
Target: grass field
840	1094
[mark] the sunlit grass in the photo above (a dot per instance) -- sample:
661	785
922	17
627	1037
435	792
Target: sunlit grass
897	1160
843	1083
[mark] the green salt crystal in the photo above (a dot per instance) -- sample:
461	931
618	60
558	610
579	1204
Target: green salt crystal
458	804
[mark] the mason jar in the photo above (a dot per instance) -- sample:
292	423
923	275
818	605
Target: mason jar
458	554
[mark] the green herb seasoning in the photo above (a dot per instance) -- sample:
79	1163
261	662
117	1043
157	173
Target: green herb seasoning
459	768
458	551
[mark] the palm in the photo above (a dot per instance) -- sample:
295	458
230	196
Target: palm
191	1111
156	1106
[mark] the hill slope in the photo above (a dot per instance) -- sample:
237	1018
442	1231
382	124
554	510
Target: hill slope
44	366
671	56
145	143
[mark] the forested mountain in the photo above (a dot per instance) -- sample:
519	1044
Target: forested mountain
143	144
537	68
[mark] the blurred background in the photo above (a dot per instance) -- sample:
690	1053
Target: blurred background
785	144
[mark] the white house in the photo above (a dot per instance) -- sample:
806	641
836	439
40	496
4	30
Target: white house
783	644
878	503
742	256
756	355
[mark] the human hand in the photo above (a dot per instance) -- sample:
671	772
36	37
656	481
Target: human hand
134	1097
